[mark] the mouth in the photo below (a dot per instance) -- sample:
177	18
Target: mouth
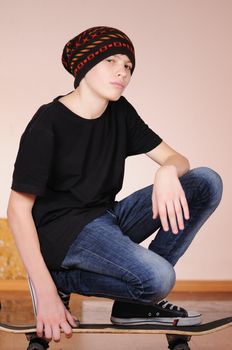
119	85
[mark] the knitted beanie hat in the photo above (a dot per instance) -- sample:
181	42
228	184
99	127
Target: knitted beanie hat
90	47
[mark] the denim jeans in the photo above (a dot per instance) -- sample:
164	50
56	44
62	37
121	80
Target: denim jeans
106	259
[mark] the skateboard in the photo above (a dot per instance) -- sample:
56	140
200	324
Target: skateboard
178	337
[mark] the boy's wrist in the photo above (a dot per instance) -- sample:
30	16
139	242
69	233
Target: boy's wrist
168	167
43	282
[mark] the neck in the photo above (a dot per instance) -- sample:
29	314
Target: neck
87	105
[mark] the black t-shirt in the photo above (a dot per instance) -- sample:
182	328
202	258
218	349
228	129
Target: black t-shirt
75	166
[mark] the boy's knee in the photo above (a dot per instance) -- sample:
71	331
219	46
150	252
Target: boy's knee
167	279
160	283
211	181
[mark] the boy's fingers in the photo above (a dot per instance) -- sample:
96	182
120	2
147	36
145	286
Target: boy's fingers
71	319
56	333
179	214
48	332
39	328
172	216
163	216
155	212
185	207
67	329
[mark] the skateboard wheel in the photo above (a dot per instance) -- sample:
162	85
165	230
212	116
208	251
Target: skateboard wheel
36	346
178	342
183	346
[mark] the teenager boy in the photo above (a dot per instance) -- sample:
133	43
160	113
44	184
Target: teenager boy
70	231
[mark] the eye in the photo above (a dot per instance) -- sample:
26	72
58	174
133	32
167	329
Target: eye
126	65
129	67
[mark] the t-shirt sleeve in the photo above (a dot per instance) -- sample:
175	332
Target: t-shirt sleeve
34	158
141	138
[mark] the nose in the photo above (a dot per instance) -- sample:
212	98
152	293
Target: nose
122	71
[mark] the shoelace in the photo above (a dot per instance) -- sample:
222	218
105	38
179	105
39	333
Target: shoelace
166	305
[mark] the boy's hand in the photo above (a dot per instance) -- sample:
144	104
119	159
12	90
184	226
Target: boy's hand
52	317
168	198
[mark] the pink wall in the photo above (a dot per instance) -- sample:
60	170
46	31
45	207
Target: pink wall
181	87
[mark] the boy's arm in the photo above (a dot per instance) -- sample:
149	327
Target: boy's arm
164	155
168	197
51	313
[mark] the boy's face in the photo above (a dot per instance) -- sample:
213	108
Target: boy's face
110	77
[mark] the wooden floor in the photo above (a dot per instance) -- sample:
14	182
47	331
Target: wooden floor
16	307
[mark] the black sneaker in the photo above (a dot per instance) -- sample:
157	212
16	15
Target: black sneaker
161	313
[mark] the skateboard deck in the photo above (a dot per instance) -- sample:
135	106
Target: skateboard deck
202	329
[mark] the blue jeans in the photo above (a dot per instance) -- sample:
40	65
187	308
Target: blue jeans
106	259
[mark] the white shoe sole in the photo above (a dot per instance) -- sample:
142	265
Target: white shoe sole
177	321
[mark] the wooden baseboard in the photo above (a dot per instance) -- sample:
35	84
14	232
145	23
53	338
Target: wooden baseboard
203	286
181	286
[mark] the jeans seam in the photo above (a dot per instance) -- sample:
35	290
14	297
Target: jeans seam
119	297
112	214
